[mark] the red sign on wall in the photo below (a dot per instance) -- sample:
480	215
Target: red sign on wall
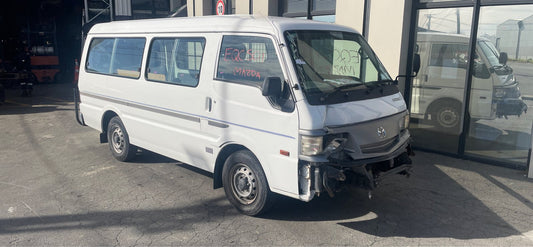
220	7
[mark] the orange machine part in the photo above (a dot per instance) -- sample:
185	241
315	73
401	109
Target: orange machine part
45	75
44	60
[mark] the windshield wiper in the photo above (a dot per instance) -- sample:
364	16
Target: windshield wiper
375	84
381	82
341	88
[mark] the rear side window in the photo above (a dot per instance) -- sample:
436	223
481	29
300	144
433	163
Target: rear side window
175	60
247	59
116	56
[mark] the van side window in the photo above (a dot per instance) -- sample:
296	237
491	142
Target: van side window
247	59
116	56
175	60
127	57
99	58
449	55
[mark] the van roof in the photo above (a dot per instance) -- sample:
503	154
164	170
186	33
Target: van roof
441	37
445	37
229	23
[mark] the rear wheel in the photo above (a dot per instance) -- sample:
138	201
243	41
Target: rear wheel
119	141
245	183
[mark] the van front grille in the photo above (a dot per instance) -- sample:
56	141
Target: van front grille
378	147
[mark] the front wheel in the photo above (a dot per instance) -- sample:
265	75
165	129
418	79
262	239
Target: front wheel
245	184
119	141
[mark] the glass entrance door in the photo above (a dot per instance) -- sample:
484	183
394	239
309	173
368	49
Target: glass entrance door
438	91
502	85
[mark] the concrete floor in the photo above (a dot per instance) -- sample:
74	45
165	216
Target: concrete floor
59	186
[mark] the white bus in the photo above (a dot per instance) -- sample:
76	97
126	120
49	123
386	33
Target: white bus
267	105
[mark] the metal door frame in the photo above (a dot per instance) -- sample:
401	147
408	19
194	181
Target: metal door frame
476	5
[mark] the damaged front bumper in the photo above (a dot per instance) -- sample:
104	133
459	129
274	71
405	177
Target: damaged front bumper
332	175
510	107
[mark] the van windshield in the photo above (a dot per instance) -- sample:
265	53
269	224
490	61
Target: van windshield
490	52
493	57
335	67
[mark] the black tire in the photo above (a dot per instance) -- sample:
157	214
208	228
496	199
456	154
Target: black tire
245	184
448	115
119	141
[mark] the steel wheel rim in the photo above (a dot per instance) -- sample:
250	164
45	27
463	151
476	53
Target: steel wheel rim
243	184
448	117
117	140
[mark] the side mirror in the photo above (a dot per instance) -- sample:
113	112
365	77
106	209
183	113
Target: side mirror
481	71
271	87
503	58
416	64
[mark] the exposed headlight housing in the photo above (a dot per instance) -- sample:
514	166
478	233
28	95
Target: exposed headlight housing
404	122
322	145
499	92
311	145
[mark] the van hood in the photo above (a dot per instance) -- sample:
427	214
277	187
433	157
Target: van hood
364	110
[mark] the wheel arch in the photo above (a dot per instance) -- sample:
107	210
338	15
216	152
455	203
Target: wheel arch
434	105
108	115
222	156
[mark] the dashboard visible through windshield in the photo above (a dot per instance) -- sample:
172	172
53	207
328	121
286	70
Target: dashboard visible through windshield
335	67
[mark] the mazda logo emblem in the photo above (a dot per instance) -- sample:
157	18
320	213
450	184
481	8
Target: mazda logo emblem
382	133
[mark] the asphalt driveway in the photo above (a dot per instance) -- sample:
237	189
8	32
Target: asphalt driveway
59	186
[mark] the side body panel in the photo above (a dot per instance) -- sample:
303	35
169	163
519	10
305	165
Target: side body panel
192	124
240	114
159	117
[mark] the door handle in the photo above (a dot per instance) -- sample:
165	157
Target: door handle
208	104
483	97
425	77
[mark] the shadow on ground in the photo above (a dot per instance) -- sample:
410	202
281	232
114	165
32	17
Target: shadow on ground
428	205
45	98
146	221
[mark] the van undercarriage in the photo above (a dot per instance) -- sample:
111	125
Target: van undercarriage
331	177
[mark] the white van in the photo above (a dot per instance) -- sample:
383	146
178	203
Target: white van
439	88
293	107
